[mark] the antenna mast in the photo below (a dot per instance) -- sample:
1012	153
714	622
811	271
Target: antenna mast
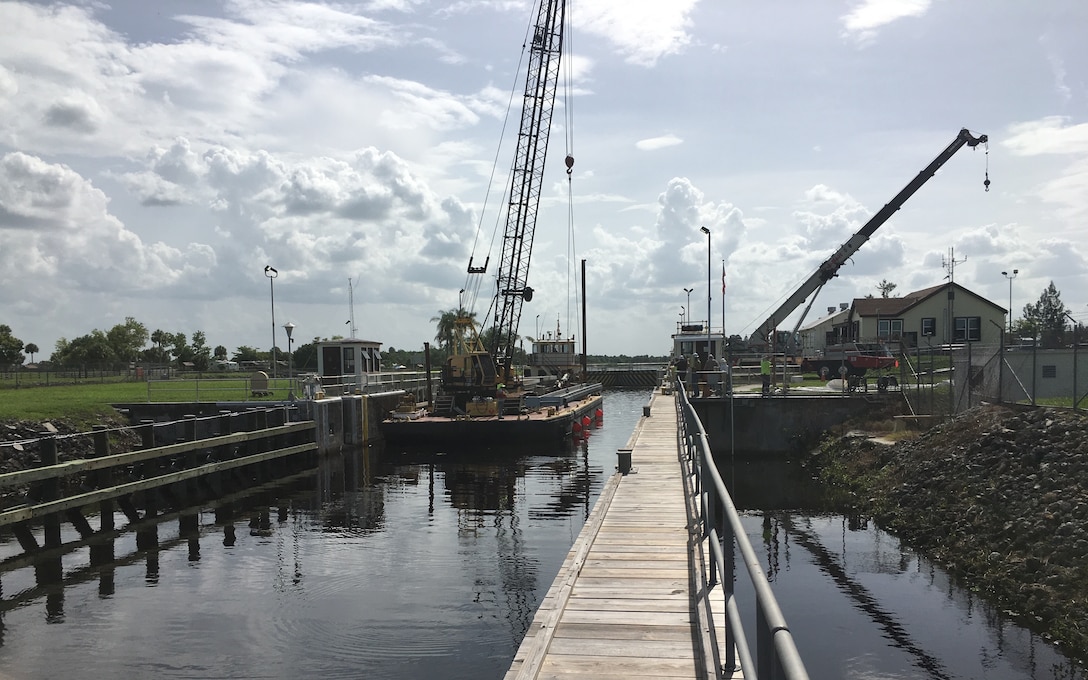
351	309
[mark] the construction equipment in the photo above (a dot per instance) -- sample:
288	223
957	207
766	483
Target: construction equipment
545	52
473	370
761	339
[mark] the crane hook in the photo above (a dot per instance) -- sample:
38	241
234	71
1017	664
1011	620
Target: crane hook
570	163
986	182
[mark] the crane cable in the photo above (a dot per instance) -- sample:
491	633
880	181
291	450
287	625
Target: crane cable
568	129
473	282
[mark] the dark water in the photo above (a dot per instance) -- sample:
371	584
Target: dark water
862	605
380	565
406	565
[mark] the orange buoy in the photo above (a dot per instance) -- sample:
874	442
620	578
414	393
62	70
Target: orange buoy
599	415
576	430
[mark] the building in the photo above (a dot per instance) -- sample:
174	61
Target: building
946	314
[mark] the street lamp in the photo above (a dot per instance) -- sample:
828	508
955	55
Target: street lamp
688	291
1075	395
1010	277
290	363
271	273
708	343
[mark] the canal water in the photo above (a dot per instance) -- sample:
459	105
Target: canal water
406	565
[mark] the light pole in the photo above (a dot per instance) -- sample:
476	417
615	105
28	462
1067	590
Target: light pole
1075	399
271	273
708	344
1010	277
688	291
290	363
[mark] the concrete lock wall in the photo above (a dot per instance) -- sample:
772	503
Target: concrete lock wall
348	421
782	427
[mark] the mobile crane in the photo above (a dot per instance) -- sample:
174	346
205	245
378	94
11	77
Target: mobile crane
761	339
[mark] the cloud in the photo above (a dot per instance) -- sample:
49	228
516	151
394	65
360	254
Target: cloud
644	31
1049	135
69	239
1054	135
655	143
862	22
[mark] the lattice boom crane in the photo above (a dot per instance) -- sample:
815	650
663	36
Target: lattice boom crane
545	52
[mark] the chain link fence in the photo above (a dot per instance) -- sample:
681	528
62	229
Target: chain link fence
1022	374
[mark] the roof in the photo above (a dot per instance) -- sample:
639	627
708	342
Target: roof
833	318
895	306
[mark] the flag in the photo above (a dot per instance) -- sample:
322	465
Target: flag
723	279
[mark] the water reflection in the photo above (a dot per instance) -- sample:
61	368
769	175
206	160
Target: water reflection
383	564
862	605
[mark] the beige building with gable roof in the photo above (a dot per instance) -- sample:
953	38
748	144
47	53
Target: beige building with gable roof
939	315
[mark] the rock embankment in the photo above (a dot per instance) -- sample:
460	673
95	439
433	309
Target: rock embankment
999	495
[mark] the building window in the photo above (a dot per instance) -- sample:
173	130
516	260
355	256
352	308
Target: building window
1050	371
929	326
968	329
889	328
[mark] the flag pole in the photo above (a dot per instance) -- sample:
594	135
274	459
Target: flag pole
724	336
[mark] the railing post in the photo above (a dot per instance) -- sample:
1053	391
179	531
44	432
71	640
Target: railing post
101	478
47	451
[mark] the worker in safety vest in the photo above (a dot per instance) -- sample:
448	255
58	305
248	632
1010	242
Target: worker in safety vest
765	374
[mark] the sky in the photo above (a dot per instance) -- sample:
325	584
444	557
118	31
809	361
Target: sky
155	157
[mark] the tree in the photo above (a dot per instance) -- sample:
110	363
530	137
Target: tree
447	324
127	339
11	348
202	354
31	349
158	354
886	287
246	353
93	349
304	357
220	352
1045	319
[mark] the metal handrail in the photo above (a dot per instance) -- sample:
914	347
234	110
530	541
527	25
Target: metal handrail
776	652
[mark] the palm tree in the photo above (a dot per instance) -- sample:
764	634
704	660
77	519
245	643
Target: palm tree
447	325
31	349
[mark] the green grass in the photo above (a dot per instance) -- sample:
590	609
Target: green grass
90	402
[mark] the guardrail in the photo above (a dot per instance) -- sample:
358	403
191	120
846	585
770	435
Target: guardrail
57	490
776	653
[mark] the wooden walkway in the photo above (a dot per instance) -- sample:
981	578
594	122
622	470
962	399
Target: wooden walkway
622	605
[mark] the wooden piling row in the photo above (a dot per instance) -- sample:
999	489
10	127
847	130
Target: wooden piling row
143	482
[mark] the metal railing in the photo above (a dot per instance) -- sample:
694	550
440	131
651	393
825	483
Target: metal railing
776	653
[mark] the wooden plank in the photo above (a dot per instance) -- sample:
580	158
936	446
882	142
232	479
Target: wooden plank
30	512
85	464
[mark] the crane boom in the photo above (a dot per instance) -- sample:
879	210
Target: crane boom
830	267
545	52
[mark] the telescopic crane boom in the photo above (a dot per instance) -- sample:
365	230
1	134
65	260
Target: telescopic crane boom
830	267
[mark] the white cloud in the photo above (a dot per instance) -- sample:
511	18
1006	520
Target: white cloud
153	164
655	143
863	21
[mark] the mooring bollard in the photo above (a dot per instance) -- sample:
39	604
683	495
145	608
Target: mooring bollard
624	461
646	411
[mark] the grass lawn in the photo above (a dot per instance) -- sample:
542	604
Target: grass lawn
90	402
